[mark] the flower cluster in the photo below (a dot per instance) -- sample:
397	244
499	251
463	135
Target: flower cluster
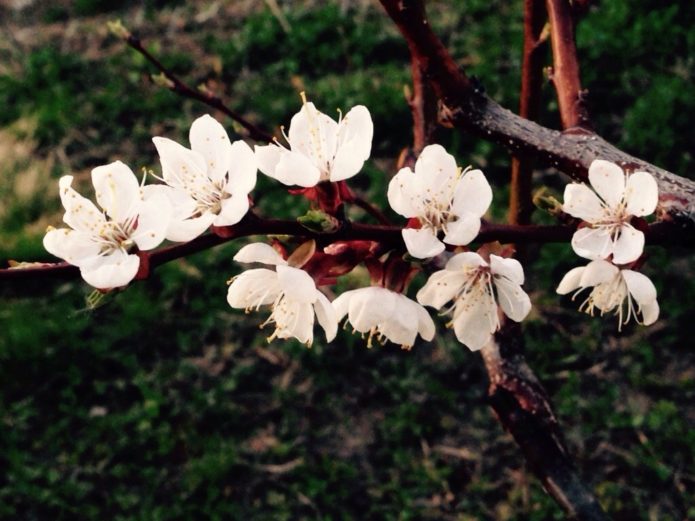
610	240
209	184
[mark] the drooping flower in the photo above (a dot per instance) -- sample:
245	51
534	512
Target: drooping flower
320	149
608	209
475	289
290	291
101	243
384	314
625	292
442	198
207	184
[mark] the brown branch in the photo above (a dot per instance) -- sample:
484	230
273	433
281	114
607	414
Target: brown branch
524	409
423	106
387	235
520	201
179	87
565	75
466	106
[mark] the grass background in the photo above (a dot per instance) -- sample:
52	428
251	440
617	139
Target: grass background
163	403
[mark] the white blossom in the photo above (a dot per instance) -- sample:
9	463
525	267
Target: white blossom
442	198
626	292
207	184
384	314
320	149
290	292
608	209
101	243
475	288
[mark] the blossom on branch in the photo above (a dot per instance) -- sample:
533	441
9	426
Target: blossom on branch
320	149
101	243
290	291
441	198
207	184
475	287
627	292
384	314
608	210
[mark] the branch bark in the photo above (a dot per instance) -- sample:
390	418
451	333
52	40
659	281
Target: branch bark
468	107
524	409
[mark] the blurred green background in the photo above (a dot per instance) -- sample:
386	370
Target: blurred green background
163	403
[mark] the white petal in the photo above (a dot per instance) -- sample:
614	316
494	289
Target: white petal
297	284
422	243
473	194
233	209
441	287
326	316
296	169
608	179
435	173
356	128
465	260
154	218
592	243
181	167
650	313
347	162
295	319
80	213
474	324
640	287
513	300
598	272
463	230
253	288
259	252
581	202
402	326
242	170
71	245
184	230
117	190
369	307
509	268
111	271
402	193
209	138
268	157
313	134
629	246
341	304
571	281
641	194
425	324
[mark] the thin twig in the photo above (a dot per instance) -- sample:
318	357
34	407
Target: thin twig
571	99
175	84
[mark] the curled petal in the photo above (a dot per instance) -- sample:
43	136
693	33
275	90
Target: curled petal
297	284
508	268
357	129
598	272
641	194
268	157
425	323
209	139
465	260
473	194
422	243
326	316
463	230
513	300
629	245
296	169
592	243
402	193
243	168
608	179
259	252
474	324
347	162
650	312
154	217
640	287
117	190
253	288
110	271
571	281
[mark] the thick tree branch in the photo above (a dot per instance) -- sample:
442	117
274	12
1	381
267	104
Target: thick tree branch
423	106
179	87
523	407
466	106
571	98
